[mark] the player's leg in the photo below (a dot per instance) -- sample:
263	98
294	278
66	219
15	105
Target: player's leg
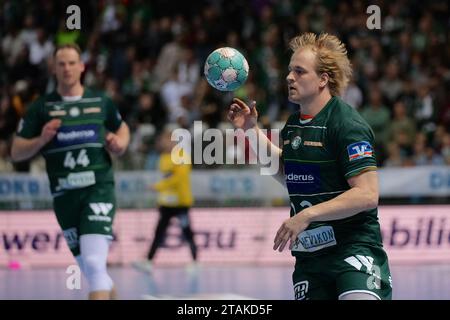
159	234
97	216
67	211
188	234
165	215
362	273
355	285
94	252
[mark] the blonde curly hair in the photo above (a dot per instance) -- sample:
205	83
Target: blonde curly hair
331	58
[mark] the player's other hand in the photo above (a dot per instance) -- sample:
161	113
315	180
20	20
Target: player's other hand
289	231
49	130
241	115
114	144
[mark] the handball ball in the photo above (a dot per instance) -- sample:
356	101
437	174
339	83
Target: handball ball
226	69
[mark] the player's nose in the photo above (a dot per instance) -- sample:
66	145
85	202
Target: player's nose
289	78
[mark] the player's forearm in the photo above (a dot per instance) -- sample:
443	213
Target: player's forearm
259	143
279	176
124	134
349	203
265	144
275	152
23	149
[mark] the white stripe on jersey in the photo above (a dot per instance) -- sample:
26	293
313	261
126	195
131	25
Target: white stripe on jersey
316	194
84	100
74	147
304	127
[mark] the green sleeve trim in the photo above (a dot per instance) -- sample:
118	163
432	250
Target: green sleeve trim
87	121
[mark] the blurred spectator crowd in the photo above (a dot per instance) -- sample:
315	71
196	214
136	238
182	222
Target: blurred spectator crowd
149	55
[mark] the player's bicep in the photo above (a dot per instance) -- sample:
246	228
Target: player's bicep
367	181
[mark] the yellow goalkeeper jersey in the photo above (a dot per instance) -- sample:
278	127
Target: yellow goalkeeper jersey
174	190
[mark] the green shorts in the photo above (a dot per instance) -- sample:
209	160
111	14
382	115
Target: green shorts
88	210
352	268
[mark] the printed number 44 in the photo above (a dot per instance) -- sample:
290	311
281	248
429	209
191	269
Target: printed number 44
82	159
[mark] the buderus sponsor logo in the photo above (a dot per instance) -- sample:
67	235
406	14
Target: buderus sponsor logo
74	135
302	178
291	177
77	134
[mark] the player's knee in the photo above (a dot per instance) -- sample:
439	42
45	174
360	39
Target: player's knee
96	273
94	264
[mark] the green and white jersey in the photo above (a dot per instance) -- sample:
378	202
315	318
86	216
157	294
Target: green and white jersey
76	157
319	156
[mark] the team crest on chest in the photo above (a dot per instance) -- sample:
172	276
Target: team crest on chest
74	111
296	142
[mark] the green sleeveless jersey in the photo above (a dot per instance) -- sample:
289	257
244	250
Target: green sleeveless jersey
319	156
76	157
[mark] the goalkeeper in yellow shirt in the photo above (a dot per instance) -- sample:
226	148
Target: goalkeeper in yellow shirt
174	198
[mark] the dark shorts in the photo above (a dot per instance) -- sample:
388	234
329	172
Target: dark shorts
353	268
88	210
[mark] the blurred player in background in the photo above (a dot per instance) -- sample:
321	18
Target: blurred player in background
74	128
174	197
329	168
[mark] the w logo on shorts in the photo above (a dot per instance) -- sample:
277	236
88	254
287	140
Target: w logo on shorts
301	289
359	261
374	281
101	208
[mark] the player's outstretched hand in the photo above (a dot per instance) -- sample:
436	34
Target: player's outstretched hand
241	115
49	130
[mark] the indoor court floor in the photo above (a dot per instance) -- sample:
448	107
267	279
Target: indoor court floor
416	282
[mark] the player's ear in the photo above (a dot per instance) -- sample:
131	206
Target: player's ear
83	66
324	78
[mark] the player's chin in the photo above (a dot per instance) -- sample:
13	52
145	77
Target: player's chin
294	98
68	82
